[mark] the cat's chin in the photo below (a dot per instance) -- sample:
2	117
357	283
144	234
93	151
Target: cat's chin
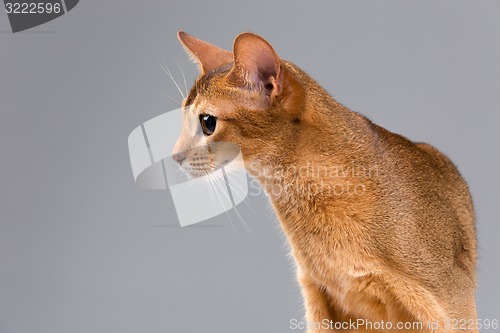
226	166
197	174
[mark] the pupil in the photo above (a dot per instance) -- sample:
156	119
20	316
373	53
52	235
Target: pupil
209	123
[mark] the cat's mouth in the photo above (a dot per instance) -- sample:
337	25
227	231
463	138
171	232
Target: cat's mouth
204	161
198	169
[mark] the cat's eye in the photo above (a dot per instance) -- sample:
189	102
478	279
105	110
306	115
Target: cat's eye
208	123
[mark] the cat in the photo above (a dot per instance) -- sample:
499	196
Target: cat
391	238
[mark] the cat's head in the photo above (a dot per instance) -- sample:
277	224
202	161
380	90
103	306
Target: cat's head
245	98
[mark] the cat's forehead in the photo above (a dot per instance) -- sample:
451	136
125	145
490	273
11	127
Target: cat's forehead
213	94
226	103
203	105
206	86
220	108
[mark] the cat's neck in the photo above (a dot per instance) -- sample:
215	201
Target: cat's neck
324	163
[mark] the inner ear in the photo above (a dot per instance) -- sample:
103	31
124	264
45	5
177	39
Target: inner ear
207	56
256	65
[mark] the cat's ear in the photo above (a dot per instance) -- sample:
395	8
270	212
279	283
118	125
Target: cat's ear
256	65
207	56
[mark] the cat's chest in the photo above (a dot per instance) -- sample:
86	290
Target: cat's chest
339	271
331	261
332	258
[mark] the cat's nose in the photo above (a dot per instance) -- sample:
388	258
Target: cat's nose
179	158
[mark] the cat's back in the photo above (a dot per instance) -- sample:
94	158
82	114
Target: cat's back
421	163
427	193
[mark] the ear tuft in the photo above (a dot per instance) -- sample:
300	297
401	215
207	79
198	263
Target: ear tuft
207	56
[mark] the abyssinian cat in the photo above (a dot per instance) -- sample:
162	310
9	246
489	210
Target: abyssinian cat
393	246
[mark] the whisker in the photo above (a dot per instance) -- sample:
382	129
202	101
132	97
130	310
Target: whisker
183	76
230	177
213	182
172	99
169	73
210	190
245	225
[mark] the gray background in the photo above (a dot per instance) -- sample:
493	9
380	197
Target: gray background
83	249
